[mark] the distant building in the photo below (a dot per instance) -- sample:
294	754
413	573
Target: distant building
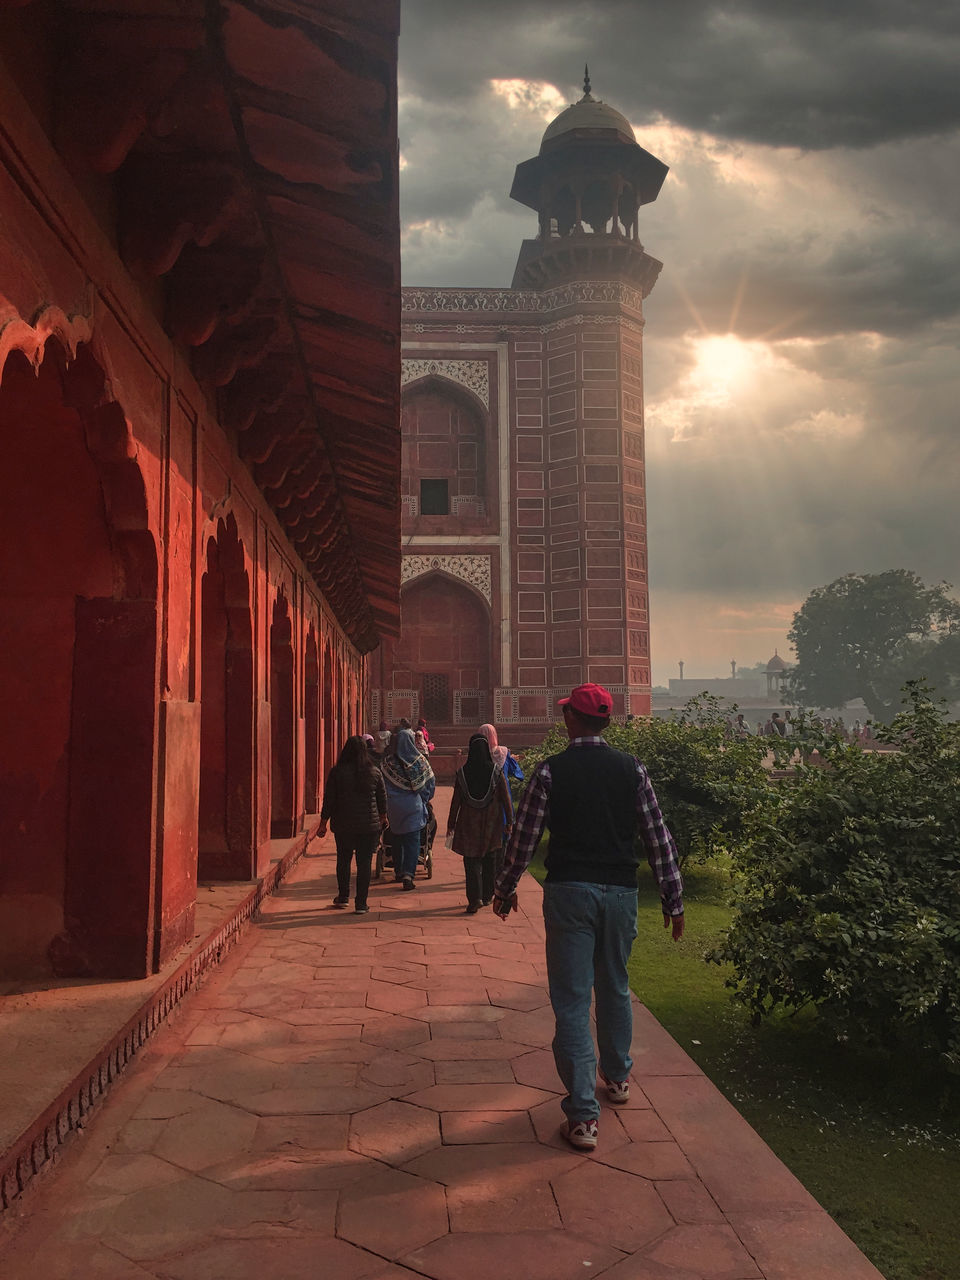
777	672
720	686
760	694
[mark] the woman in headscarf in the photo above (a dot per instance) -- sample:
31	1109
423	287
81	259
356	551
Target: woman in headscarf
355	805
480	811
410	785
510	766
498	753
502	756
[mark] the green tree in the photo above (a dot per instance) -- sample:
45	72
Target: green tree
848	889
865	635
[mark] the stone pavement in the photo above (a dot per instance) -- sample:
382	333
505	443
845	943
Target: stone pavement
374	1097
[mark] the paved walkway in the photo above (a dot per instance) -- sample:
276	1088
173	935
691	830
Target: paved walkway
374	1097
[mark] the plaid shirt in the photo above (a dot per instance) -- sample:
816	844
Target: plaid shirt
534	814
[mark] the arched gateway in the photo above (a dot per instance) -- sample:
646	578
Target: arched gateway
443	654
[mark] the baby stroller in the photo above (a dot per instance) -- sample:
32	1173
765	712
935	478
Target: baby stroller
384	856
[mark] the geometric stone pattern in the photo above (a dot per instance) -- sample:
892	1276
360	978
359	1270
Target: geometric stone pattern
480	301
370	1097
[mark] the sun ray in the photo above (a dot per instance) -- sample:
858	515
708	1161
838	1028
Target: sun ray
738	299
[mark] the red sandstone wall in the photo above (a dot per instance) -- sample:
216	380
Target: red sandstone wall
116	506
577	604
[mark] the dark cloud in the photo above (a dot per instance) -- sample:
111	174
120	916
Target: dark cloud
807	75
810	210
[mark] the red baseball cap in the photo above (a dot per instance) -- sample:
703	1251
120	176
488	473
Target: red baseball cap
589	700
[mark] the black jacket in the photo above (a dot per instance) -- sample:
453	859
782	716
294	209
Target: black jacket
353	808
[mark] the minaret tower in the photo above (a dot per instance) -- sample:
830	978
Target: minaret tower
587	185
524	504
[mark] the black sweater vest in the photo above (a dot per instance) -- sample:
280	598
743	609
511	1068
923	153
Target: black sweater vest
593	816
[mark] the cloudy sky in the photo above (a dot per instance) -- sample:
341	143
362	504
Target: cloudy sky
801	347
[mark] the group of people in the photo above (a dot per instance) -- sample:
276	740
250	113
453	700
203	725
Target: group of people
784	726
369	789
776	725
597	802
374	786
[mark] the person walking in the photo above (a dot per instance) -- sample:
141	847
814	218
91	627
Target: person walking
355	805
596	801
422	729
480	811
510	766
410	785
506	761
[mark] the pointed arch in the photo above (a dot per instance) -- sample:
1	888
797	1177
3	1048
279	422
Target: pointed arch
282	778
226	847
440	384
311	724
445	428
444	648
78	663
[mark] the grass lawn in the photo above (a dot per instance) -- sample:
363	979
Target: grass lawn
877	1141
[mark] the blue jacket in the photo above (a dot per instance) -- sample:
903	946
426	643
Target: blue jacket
407	810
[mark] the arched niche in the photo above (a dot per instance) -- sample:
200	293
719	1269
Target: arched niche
598	205
78	675
563	211
328	693
282	778
444	452
311	724
226	846
444	648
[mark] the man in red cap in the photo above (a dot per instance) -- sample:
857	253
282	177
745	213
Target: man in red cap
596	801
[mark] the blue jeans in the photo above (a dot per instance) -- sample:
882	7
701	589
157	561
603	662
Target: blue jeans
406	853
590	929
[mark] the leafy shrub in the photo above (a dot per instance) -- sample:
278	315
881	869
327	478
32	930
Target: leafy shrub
706	782
848	889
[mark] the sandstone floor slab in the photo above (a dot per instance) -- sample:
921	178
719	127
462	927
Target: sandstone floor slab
370	1097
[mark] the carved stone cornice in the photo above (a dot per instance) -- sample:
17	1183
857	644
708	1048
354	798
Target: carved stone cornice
540	301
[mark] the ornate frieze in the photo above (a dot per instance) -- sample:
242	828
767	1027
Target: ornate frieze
472	374
538	300
474	570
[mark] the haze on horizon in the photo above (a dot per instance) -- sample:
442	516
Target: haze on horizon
802	382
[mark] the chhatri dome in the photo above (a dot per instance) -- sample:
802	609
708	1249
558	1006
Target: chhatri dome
588	114
776	663
587	184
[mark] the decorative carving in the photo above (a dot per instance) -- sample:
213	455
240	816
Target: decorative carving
540	300
463	505
626	324
475	715
17	334
472	374
474	570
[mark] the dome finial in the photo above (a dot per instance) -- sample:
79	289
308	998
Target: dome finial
586	81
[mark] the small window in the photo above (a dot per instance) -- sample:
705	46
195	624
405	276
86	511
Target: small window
434	497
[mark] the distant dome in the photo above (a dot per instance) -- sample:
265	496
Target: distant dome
776	663
588	113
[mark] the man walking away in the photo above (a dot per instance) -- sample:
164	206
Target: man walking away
595	801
